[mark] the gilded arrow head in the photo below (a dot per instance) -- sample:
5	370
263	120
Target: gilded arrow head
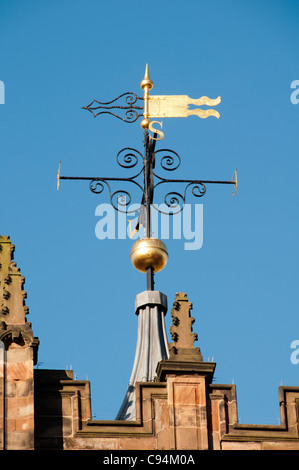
146	83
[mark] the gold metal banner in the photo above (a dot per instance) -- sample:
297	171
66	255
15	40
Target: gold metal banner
166	106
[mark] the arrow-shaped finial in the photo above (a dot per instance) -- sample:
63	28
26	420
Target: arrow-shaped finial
146	83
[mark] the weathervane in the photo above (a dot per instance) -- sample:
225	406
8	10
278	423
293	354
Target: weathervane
154	106
149	255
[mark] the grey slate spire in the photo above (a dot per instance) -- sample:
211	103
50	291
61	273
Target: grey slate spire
151	348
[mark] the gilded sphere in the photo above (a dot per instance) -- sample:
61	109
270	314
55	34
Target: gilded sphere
146	83
145	123
149	252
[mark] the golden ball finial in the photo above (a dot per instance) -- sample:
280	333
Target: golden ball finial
145	123
149	252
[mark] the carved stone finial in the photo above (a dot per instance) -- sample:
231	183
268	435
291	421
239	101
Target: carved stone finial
181	331
12	295
14	326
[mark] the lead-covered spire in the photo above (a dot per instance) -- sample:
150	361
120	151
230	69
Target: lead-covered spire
151	347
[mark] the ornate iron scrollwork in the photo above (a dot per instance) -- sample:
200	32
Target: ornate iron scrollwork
170	161
127	158
119	199
176	201
131	115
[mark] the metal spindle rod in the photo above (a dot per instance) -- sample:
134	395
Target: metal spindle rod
147	172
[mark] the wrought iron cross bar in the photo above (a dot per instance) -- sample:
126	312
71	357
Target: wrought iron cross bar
172	199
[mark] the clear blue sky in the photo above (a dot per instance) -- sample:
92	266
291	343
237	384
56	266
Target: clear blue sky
55	58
